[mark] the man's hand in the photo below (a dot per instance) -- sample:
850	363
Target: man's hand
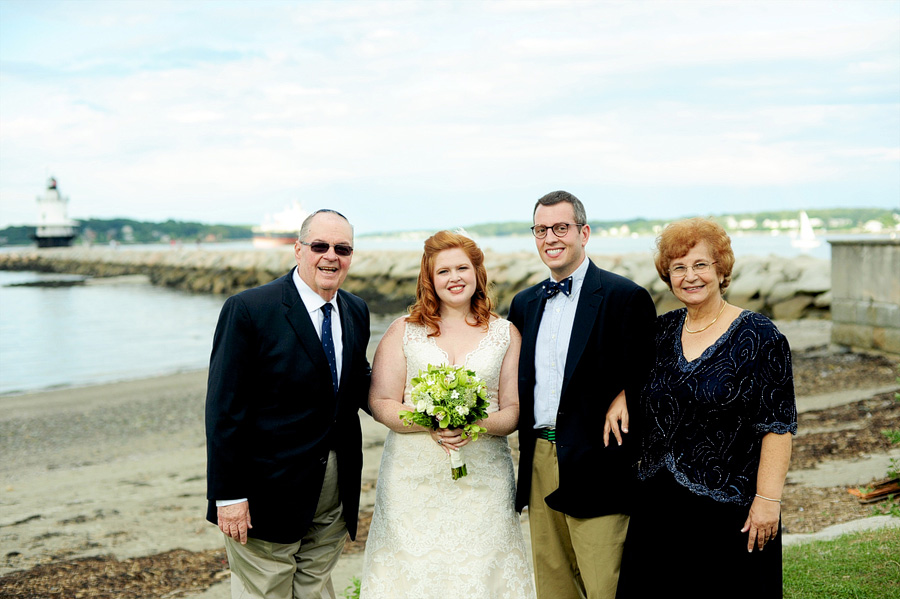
234	520
618	412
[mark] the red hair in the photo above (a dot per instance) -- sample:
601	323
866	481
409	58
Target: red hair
427	309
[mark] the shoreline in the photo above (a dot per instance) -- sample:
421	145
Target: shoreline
62	387
38	402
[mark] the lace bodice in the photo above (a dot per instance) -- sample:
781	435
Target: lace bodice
486	359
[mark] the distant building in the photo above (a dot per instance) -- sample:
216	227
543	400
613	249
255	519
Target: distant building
54	228
873	226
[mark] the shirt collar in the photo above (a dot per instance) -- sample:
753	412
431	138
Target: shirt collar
312	300
577	276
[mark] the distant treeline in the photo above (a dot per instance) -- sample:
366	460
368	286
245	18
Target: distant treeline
835	220
124	230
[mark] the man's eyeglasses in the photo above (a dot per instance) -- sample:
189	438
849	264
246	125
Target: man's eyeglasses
559	229
681	270
320	247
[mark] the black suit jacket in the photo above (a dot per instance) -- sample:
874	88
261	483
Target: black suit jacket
611	349
272	415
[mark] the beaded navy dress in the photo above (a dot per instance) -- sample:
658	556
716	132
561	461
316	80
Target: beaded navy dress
702	424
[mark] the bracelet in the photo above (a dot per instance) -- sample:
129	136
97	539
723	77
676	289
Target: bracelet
768	498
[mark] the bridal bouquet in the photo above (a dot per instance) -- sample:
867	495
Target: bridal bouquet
449	397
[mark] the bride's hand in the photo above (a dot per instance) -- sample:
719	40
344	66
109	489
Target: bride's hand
449	439
439	440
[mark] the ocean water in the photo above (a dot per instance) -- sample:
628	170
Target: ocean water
61	336
56	336
78	335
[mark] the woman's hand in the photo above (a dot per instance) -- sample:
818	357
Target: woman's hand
449	439
762	522
618	412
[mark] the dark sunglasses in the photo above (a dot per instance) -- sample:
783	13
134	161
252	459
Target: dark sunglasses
320	247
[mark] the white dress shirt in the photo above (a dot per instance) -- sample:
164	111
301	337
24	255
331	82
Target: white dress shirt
314	302
552	347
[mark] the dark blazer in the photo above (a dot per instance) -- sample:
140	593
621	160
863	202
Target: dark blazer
611	349
271	411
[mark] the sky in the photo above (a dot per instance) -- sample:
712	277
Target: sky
426	115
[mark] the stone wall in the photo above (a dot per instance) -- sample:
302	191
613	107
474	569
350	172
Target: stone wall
866	295
782	288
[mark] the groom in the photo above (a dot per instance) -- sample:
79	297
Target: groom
287	376
587	336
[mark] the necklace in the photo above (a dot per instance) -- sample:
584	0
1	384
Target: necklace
722	309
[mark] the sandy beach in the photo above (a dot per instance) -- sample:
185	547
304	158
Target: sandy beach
116	469
119	469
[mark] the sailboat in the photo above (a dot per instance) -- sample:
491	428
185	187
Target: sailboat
806	240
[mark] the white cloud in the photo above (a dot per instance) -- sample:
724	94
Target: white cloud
176	111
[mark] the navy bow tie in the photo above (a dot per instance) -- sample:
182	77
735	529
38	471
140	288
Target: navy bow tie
551	288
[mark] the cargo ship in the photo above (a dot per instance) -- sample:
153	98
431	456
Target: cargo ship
281	228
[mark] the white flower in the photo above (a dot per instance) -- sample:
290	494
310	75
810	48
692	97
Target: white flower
455	394
462	410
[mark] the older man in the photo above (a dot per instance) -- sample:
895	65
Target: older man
586	337
287	376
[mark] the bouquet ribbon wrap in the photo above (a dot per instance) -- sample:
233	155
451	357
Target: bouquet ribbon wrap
457	464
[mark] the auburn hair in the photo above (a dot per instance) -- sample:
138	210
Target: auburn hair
427	308
677	239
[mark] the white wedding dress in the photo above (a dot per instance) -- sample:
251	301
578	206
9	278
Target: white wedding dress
432	536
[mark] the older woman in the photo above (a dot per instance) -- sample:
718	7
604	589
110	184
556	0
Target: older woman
715	413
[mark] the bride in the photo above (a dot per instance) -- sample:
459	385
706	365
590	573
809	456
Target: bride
431	535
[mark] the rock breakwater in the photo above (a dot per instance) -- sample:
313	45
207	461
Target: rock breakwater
782	288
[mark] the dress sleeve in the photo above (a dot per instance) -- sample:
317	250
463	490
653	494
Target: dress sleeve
776	406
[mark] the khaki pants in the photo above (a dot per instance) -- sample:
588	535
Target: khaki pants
574	558
301	570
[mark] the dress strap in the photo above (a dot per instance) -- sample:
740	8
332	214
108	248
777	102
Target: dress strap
414	333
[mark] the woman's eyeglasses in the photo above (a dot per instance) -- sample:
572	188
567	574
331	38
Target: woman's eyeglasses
681	270
320	247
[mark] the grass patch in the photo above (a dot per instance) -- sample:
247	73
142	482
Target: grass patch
856	566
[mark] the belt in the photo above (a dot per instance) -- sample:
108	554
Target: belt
547	434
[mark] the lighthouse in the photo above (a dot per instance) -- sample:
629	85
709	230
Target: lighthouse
54	229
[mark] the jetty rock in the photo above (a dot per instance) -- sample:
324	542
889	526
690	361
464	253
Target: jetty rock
779	287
